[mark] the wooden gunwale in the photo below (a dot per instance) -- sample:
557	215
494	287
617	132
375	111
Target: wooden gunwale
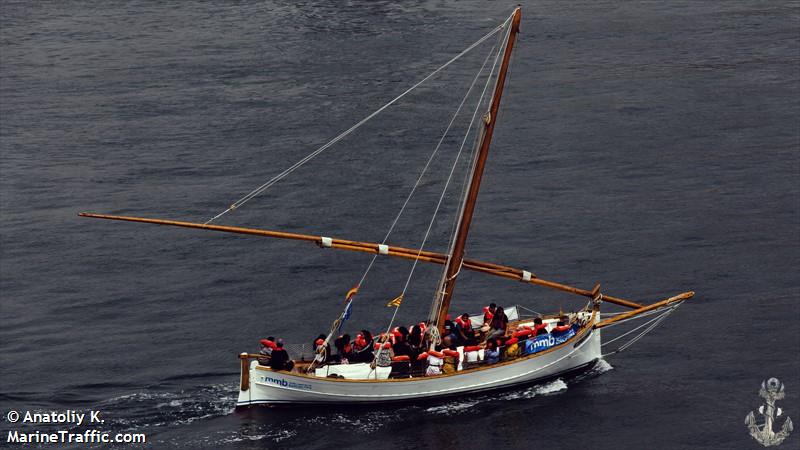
588	328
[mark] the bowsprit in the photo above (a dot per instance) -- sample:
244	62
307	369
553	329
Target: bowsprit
771	391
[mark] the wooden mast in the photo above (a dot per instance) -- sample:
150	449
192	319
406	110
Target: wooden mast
457	256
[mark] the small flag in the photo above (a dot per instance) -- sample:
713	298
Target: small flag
346	313
351	293
396	301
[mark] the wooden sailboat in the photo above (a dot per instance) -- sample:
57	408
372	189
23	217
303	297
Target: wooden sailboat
573	345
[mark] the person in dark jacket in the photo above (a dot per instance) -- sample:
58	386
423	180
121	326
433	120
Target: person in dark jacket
449	329
415	340
498	325
344	351
280	358
539	327
265	354
362	348
401	346
466	334
488	313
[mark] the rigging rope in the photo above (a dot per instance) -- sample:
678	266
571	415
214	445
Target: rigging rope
257	191
447	183
428	163
338	322
654	322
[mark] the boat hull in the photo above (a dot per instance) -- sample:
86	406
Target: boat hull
267	387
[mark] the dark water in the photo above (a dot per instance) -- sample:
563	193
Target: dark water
650	146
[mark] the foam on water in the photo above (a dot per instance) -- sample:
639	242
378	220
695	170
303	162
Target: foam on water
155	409
455	407
275	436
548	388
602	366
452	407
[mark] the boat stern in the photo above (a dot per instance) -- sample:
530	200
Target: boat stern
246	366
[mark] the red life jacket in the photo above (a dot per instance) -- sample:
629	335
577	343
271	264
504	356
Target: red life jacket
360	342
436	354
487	315
522	334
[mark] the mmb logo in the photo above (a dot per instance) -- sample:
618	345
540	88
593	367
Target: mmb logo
771	391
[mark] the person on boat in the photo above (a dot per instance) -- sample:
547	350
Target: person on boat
280	358
323	349
400	346
512	348
488	313
464	331
404	332
491	353
498	325
384	354
449	328
359	342
450	361
362	348
447	344
561	326
435	362
415	340
539	328
344	349
265	354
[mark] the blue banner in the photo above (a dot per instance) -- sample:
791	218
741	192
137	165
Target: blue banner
545	341
345	315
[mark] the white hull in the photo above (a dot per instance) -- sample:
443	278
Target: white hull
274	388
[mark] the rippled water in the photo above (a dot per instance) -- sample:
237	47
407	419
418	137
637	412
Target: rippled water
649	146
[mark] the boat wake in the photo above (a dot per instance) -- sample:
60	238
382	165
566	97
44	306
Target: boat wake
455	407
153	408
